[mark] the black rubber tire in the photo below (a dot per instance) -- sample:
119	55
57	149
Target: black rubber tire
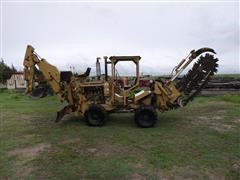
39	92
95	116
146	117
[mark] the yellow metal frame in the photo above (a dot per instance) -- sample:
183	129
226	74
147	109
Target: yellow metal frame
74	93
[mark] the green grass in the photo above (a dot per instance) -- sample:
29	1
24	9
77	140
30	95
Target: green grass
200	141
228	75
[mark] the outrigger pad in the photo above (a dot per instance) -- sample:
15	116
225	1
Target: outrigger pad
63	112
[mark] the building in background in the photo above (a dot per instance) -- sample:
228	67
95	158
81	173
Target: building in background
16	81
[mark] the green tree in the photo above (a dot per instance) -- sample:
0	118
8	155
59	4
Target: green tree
6	71
13	69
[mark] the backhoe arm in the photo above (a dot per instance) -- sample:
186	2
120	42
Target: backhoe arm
50	72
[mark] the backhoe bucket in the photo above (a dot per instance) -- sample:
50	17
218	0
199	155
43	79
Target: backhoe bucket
39	92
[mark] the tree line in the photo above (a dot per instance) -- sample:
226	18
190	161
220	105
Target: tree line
6	71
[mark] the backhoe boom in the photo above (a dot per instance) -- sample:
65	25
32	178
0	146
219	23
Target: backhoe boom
50	72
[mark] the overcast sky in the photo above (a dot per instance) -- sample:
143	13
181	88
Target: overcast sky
74	34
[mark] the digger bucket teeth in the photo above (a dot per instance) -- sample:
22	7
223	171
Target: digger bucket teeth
202	50
194	81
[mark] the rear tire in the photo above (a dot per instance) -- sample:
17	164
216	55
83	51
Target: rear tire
95	115
146	117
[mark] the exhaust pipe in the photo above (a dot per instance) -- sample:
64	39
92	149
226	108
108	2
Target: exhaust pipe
98	68
106	68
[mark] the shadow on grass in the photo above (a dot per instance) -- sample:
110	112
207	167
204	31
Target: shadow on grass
71	119
122	120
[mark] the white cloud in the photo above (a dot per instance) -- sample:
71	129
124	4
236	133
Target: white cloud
161	33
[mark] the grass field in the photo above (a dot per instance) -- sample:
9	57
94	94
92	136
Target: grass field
200	141
228	75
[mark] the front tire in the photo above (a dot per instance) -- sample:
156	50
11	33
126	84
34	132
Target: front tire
95	116
146	117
